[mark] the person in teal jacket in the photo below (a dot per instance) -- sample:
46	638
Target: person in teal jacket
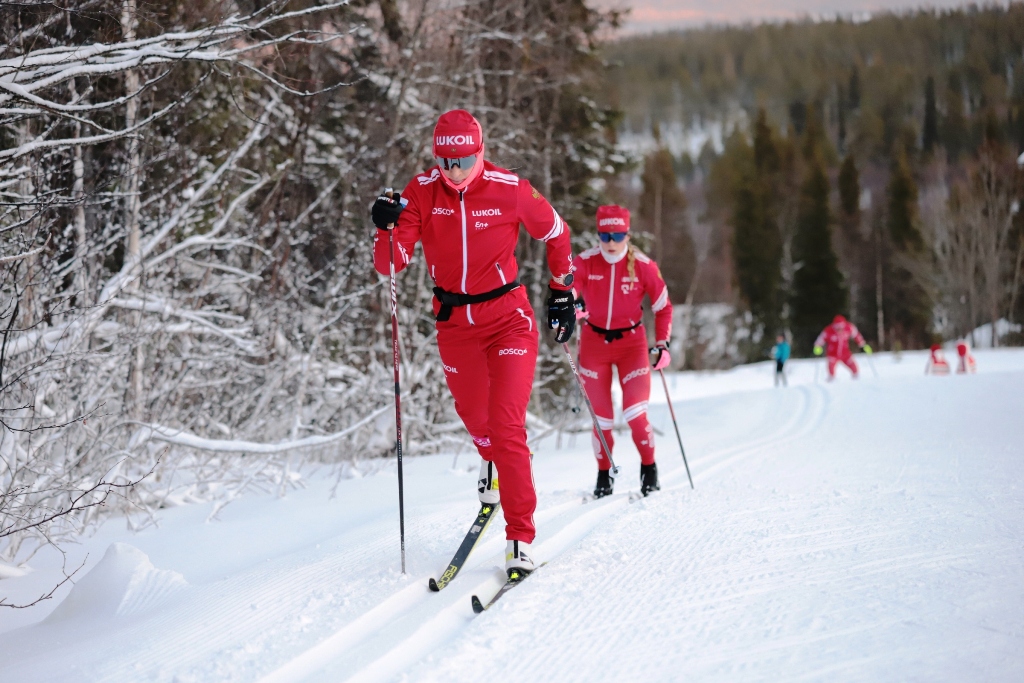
780	352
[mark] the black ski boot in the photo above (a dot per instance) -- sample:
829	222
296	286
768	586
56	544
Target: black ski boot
649	478
604	485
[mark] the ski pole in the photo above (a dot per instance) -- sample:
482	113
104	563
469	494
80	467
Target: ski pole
675	424
590	407
398	390
871	362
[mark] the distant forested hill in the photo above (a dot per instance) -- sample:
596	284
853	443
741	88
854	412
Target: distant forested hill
876	68
866	168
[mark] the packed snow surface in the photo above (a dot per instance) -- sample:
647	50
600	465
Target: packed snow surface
851	531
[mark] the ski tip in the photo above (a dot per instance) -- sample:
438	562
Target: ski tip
433	585
478	606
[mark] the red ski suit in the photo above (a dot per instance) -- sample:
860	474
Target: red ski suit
489	349
836	340
613	300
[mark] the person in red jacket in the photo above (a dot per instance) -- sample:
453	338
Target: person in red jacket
836	338
936	363
466	211
613	279
967	362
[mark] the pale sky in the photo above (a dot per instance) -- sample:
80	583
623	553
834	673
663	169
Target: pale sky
660	15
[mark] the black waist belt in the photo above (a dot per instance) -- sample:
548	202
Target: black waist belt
450	300
612	335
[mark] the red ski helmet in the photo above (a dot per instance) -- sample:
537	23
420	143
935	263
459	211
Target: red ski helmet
457	134
612	218
838	319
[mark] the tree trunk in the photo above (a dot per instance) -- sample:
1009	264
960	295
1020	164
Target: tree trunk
659	248
80	284
133	247
879	298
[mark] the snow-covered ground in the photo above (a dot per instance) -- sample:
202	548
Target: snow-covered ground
853	531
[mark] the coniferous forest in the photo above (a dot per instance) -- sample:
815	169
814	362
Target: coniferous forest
866	168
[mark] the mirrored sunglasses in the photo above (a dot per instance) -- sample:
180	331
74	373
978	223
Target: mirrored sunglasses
462	162
612	236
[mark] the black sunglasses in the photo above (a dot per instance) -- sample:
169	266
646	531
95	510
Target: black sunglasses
612	236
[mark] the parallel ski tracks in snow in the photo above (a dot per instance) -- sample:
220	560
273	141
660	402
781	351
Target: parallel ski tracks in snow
413	622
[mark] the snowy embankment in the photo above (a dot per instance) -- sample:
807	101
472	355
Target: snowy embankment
869	530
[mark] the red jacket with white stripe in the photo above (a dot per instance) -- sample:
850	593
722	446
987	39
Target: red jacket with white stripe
614	299
469	237
836	339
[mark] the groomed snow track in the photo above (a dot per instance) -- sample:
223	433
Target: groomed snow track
413	623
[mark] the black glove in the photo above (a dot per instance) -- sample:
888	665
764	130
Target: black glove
386	210
561	314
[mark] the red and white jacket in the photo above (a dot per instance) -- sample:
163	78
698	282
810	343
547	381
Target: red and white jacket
613	298
469	237
836	339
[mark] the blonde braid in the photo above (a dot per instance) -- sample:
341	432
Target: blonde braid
631	264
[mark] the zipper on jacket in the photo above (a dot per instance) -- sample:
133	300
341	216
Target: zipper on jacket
465	248
501	273
465	255
611	297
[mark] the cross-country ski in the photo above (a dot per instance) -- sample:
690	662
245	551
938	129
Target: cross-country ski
515	577
476	531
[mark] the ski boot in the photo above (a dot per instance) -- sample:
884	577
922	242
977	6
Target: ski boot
518	562
605	484
487	484
649	478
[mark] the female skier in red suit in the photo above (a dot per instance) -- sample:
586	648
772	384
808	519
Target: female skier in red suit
466	211
613	279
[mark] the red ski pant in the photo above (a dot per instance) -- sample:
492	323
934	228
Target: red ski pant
847	359
489	370
629	356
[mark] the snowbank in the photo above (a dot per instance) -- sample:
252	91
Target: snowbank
983	335
124	583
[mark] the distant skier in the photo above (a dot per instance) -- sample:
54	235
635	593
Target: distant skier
467	212
967	362
613	279
780	352
936	363
836	338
